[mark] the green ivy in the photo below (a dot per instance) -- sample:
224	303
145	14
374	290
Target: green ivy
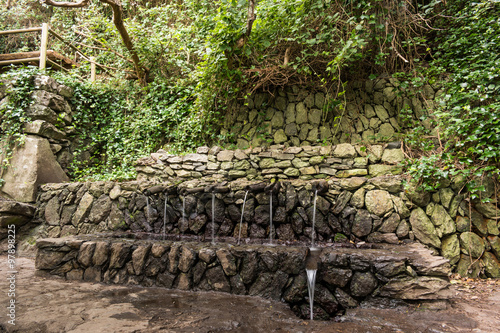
13	117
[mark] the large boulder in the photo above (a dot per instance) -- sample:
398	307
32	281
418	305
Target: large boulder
31	165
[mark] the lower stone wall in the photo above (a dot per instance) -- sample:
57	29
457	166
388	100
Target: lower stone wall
345	277
375	210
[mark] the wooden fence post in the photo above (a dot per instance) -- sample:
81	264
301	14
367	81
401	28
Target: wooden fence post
92	69
43	46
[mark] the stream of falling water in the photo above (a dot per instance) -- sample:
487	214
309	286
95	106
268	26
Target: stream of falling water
271	218
183	210
311	280
213	218
165	216
241	221
313	232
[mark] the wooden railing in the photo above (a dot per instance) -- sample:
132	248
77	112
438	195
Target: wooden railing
43	57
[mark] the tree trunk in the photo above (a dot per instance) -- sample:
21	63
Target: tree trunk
117	20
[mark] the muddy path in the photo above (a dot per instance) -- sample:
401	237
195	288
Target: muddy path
48	304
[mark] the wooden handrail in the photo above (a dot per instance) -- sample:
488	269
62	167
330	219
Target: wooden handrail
19	31
45	29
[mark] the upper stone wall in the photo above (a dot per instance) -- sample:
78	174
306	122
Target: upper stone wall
298	117
307	162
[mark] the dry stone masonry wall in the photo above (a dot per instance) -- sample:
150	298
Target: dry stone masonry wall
298	117
345	276
375	210
46	153
307	162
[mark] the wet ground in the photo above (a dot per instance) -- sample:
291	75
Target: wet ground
48	304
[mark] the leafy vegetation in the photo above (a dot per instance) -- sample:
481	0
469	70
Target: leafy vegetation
200	59
467	119
13	113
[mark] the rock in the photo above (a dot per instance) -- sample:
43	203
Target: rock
269	285
472	244
227	261
446	195
186	259
450	249
363	284
201	158
400	207
314	116
390	224
375	170
495	245
52	211
463	224
388	183
119	255
344	150
351	173
489	210
479	222
334	276
385	132
100	209
403	229
45	129
291	172
418	288
301	117
423	228
290	113
378	202
101	253
352	184
393	156
217	280
491	265
41	112
280	136
443	222
341	202
377	237
225	156
139	256
31	165
83	209
345	299
358	198
418	197
493	228
362	225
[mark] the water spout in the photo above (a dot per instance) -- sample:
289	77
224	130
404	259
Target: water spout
242	213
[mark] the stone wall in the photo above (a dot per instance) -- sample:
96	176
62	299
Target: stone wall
375	210
345	277
307	162
299	117
46	153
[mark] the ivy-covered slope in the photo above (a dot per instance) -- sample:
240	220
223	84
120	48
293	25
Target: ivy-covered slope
200	58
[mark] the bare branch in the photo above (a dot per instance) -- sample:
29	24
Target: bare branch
78	4
250	17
